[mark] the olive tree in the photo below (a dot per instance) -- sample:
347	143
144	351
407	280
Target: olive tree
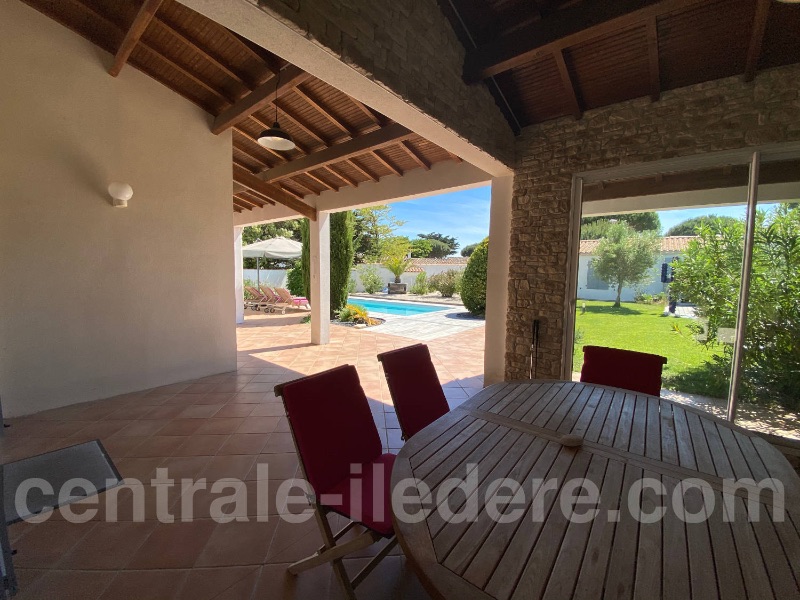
625	256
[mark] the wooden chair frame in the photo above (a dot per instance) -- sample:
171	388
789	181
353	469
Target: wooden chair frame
330	551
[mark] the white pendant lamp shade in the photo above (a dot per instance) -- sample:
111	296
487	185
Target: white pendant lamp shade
276	138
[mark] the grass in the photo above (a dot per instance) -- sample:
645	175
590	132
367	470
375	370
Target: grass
643	327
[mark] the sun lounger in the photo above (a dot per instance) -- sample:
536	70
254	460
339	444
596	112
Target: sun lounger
294	301
260	300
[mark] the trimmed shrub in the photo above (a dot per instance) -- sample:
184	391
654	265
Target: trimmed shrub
473	285
447	282
370	279
295	282
420	286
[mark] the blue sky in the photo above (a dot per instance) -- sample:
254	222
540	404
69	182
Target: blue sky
463	215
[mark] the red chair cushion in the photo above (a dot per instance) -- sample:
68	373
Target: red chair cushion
332	425
417	395
636	371
373	505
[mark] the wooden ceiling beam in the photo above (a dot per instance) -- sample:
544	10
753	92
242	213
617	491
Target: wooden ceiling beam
259	98
241	205
756	39
290	192
297	181
174	30
273	192
341	175
374	115
363	170
387	163
186	73
297	120
652	57
391	134
321	181
568	85
251	201
317	104
255	195
566	27
416	156
146	13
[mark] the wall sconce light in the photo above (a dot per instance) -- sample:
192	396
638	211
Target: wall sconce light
120	194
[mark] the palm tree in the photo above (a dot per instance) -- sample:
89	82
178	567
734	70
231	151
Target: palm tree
397	265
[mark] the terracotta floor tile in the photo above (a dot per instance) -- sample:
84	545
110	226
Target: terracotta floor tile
229	583
68	585
220	426
235	410
279	443
201	445
157	445
253	424
232	466
164	413
181	427
276	584
173	545
185	467
269	409
244	443
108	546
45	543
200	411
142	469
238	543
142	428
145	585
279	466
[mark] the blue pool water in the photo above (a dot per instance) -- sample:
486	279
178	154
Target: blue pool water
388	307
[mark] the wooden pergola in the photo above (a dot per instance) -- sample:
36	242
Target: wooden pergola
545	59
340	142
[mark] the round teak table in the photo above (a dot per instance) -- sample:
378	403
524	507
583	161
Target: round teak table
492	542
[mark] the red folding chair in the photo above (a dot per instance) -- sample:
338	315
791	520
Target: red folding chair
338	443
635	371
416	393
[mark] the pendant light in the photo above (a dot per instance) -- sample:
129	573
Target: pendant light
276	138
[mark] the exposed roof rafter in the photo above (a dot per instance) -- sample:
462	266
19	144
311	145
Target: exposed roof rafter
146	13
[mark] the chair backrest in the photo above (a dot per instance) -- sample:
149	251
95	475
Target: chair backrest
416	392
269	294
635	371
331	423
257	295
284	294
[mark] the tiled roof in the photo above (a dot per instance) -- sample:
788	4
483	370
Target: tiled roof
674	243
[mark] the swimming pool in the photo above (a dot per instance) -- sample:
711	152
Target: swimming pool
389	307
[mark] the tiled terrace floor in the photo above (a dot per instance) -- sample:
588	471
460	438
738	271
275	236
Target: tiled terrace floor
215	427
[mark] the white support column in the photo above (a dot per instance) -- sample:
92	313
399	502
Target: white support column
239	274
494	359
320	278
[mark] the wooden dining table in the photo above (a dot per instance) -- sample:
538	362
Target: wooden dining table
543	434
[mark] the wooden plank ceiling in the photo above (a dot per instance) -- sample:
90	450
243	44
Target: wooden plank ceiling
340	141
544	59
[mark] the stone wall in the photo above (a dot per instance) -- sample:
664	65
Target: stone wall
719	115
408	47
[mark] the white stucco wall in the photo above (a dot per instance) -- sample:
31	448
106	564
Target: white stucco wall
652	286
407	278
124	305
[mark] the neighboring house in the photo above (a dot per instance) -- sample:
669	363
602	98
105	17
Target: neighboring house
431	266
591	287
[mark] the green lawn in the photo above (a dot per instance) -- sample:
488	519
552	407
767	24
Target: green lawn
640	327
